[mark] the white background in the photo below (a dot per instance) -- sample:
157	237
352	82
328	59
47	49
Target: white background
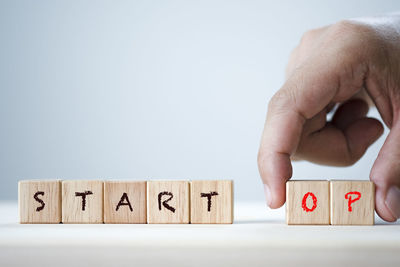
151	89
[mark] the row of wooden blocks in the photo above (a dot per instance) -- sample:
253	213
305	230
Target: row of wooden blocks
330	202
82	201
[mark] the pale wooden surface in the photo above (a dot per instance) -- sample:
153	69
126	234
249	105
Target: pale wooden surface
72	205
135	195
258	237
295	191
221	208
362	210
179	201
33	211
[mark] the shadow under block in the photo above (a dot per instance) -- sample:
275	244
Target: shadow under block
125	202
352	202
211	202
168	202
39	201
307	202
82	201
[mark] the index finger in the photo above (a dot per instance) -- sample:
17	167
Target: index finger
307	92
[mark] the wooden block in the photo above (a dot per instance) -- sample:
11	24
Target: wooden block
39	201
307	202
211	201
82	201
352	202
168	202
125	202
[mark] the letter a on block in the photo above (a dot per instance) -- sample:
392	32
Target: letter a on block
352	202
39	201
307	202
168	202
125	202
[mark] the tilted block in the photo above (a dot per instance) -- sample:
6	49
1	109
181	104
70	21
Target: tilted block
82	201
352	202
211	201
125	202
168	202
307	202
39	201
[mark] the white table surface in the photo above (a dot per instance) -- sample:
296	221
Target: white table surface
258	237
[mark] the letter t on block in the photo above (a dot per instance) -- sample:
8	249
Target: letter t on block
82	201
307	202
352	202
211	201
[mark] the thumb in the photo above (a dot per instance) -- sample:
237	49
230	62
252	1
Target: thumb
385	173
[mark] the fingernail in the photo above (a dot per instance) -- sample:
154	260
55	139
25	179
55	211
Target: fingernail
267	195
393	201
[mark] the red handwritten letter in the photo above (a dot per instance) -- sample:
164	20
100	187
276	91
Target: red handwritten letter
304	202
352	200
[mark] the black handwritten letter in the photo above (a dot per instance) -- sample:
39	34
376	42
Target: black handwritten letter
164	203
83	195
35	196
122	203
208	196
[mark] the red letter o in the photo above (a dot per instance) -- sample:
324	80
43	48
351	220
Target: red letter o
304	202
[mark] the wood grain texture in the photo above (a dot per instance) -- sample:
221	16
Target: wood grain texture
125	202
39	201
168	202
361	197
82	201
211	201
311	212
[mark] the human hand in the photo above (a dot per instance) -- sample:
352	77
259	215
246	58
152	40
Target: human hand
341	63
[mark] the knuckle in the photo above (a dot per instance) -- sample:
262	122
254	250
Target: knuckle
309	36
350	30
260	158
346	27
281	99
350	42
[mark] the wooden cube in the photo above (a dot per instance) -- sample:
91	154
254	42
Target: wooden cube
39	201
211	201
82	201
307	202
125	202
352	202
168	202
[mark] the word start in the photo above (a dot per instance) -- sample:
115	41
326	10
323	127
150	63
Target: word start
84	201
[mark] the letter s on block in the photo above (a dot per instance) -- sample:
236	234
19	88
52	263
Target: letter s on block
304	202
36	197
